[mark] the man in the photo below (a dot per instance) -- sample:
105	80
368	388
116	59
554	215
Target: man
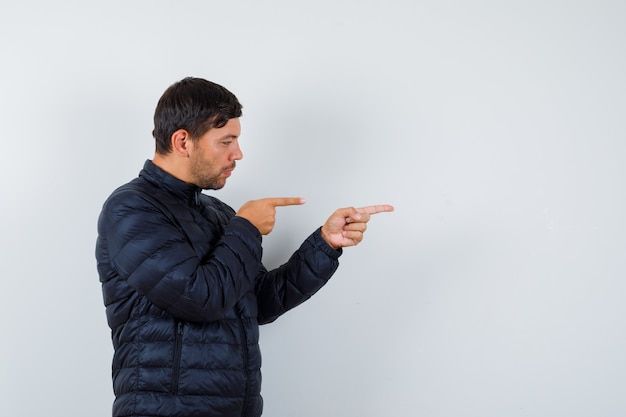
181	272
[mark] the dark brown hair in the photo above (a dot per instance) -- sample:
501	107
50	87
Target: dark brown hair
193	104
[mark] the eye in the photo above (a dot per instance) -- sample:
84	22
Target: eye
227	142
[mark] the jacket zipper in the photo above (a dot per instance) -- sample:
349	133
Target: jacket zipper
244	345
178	350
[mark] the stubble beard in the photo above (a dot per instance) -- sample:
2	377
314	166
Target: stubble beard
204	177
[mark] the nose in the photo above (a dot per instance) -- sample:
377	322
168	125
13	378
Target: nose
237	154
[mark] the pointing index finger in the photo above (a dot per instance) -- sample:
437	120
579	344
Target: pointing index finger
379	208
285	201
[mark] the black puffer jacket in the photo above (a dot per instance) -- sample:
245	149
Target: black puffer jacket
185	291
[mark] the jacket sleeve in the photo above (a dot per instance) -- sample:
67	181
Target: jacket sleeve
149	252
289	285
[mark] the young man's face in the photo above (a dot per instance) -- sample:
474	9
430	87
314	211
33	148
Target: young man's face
214	154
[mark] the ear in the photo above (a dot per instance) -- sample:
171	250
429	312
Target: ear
180	143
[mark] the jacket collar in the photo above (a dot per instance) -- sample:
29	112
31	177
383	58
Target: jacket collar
189	193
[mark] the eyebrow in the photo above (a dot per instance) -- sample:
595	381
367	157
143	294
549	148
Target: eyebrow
228	136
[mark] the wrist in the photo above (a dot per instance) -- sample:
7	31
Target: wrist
326	236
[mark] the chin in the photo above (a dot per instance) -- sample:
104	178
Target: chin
214	186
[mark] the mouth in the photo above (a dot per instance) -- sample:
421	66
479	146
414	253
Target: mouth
228	171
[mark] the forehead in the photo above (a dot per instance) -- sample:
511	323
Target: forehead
232	128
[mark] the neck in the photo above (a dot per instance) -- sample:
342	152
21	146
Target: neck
176	167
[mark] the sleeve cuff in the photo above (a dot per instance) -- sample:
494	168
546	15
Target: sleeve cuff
320	243
249	227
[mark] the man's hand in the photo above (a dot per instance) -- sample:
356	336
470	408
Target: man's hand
262	213
345	227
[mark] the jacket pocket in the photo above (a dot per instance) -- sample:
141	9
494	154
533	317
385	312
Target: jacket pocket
178	351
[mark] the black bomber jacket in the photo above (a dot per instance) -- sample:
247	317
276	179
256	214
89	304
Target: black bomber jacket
185	291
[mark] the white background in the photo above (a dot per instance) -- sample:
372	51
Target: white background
496	128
